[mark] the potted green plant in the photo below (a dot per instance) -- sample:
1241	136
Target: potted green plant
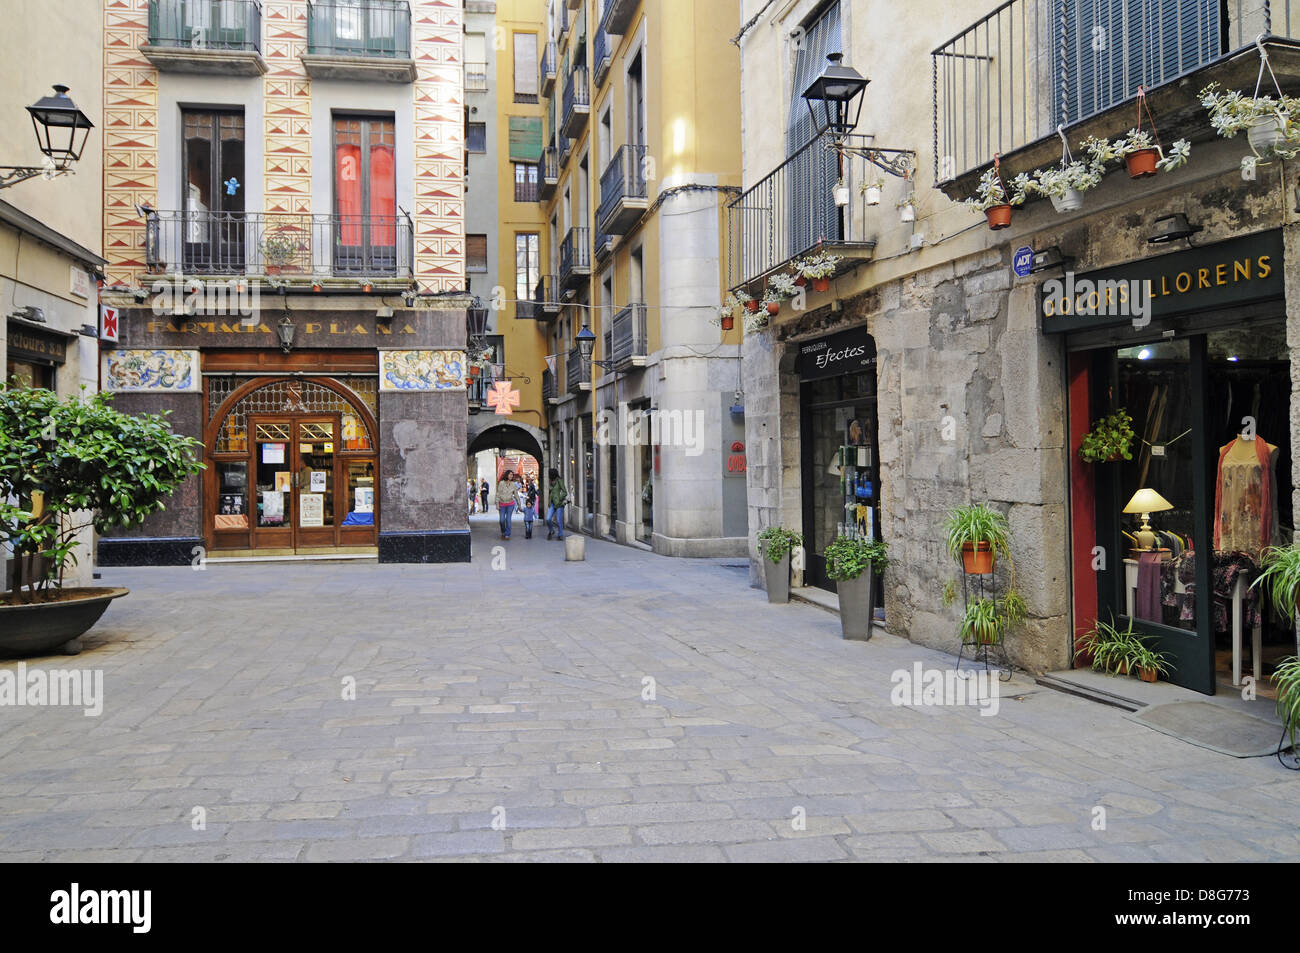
1141	155
1066	183
1108	648
279	247
1109	440
977	535
817	268
1279	582
994	199
1270	124
1148	664
907	208
66	464
872	191
853	564
982	623
730	308
775	545
1286	678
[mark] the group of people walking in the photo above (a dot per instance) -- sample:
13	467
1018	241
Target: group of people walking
519	492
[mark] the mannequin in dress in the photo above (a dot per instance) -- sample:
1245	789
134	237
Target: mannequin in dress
1245	497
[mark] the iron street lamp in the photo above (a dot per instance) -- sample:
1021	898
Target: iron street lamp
286	330
586	340
835	98
61	132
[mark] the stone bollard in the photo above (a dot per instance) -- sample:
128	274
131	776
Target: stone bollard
575	548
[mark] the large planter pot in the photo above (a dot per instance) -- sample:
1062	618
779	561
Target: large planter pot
42	627
999	216
1141	163
1265	135
1071	201
778	578
857	606
977	559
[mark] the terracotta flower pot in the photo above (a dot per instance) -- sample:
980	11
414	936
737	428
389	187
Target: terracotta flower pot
475	371
728	322
821	284
751	306
773	307
1148	674
977	559
800	282
999	216
273	269
1141	163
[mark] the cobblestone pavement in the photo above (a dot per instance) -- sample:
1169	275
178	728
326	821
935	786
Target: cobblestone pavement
499	715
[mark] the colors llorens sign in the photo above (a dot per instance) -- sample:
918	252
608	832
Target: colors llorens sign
419	370
1227	274
151	370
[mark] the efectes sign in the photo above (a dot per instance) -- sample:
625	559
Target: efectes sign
848	352
1235	272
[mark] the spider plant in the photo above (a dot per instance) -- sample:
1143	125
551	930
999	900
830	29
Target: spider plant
1280	580
1287	680
1111	649
976	524
983	623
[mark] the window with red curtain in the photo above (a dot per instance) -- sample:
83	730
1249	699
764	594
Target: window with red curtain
365	185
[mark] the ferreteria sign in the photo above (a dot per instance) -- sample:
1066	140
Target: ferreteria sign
848	352
1236	272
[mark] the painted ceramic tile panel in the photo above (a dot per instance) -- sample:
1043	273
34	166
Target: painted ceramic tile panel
421	370
160	369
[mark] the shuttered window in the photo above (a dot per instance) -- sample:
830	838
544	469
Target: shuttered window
813	174
526	78
525	138
476	253
1114	46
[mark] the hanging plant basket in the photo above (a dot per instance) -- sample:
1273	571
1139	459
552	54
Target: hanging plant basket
999	216
873	194
800	282
752	306
728	321
475	370
1142	163
821	285
1071	201
774	307
1266	135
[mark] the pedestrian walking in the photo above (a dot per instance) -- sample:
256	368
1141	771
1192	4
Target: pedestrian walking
530	509
506	502
473	494
558	498
483	493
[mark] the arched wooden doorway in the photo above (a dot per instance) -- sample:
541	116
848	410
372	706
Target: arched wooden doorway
293	465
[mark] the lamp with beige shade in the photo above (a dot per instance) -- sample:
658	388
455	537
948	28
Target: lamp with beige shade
1145	502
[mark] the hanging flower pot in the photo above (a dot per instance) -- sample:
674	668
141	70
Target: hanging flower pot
774	307
1070	201
1142	163
999	216
751	306
1266	134
728	321
475	370
801	282
821	285
906	211
873	194
316	286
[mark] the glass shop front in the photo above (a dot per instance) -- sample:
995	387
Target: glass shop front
1170	535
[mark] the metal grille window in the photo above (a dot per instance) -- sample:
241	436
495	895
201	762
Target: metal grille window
814	171
526	264
298	396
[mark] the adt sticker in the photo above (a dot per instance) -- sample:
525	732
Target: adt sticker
1022	260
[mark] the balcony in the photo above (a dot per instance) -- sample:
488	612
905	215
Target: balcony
368	41
548	174
577	103
792	212
476	79
547	294
602	55
575	258
622	191
604	246
218	37
285	246
546	69
627	338
476	389
577	372
549	392
618	16
1006	83
561	22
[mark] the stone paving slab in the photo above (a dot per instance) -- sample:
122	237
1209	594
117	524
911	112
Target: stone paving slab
626	708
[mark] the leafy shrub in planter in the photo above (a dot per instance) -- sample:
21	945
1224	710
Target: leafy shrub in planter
777	541
1109	439
849	558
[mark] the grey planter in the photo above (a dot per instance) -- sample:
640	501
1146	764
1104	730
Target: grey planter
40	628
777	576
857	605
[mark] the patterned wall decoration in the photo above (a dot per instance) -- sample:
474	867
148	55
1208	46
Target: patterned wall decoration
421	370
437	28
148	370
287	108
130	137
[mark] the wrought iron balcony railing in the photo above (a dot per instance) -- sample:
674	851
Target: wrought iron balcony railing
1032	65
618	15
577	371
206	24
282	244
601	56
371	28
549	173
476	80
628	336
622	190
575	257
577	102
549	391
546	68
547	294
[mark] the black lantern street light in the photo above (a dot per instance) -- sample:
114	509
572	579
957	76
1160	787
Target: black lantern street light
586	341
835	98
286	330
61	133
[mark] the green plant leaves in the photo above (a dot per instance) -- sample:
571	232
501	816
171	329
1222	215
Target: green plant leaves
849	558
